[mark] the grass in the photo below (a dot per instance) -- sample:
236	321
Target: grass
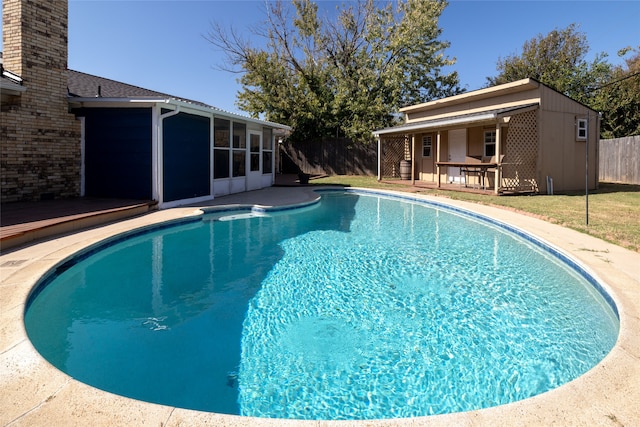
614	209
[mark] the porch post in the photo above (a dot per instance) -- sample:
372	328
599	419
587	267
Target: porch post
438	157
379	157
413	163
498	173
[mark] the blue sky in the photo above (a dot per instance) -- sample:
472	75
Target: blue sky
159	45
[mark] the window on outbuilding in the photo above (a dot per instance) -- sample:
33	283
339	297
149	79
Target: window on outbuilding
427	145
581	130
489	143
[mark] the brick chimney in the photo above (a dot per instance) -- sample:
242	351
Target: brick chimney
40	140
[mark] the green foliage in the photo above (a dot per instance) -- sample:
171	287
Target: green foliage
619	99
344	76
556	60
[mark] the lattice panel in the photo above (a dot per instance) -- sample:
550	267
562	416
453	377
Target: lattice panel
521	153
393	150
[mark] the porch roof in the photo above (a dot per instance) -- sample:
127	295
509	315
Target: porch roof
460	119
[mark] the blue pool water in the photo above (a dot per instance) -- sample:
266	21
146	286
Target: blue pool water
359	307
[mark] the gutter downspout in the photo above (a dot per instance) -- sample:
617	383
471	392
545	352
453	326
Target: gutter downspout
158	172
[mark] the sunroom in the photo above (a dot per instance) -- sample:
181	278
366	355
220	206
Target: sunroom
140	144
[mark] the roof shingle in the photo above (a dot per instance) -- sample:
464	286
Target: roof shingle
85	85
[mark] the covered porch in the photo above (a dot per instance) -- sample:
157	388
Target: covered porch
489	151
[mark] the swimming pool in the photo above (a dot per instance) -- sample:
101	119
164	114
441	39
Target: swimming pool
301	333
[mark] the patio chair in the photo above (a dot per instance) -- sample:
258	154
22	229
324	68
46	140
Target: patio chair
470	170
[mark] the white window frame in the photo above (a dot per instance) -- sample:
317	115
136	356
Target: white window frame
267	147
226	147
240	146
581	129
489	139
427	144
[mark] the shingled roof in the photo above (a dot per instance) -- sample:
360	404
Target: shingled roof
83	85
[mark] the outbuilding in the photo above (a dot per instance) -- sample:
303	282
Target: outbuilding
521	136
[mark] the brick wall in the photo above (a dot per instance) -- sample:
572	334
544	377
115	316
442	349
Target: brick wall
39	139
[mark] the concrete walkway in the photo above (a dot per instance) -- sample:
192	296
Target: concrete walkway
36	394
270	196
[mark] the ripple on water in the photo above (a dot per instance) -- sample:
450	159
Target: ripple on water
360	308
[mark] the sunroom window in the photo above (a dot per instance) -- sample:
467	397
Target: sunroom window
239	149
222	141
267	151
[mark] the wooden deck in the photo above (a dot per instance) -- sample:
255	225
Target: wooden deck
24	222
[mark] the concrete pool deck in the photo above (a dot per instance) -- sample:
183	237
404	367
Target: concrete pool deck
35	393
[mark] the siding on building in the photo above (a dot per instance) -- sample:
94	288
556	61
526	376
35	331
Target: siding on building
186	159
117	152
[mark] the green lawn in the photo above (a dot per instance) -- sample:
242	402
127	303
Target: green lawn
614	209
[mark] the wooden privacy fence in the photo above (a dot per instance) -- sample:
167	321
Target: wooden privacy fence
331	156
620	160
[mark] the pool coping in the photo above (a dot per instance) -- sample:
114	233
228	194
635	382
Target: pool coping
36	393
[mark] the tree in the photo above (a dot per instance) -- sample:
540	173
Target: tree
619	99
557	60
343	76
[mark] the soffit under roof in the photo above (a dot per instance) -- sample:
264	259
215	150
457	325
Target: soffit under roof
10	83
8	87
